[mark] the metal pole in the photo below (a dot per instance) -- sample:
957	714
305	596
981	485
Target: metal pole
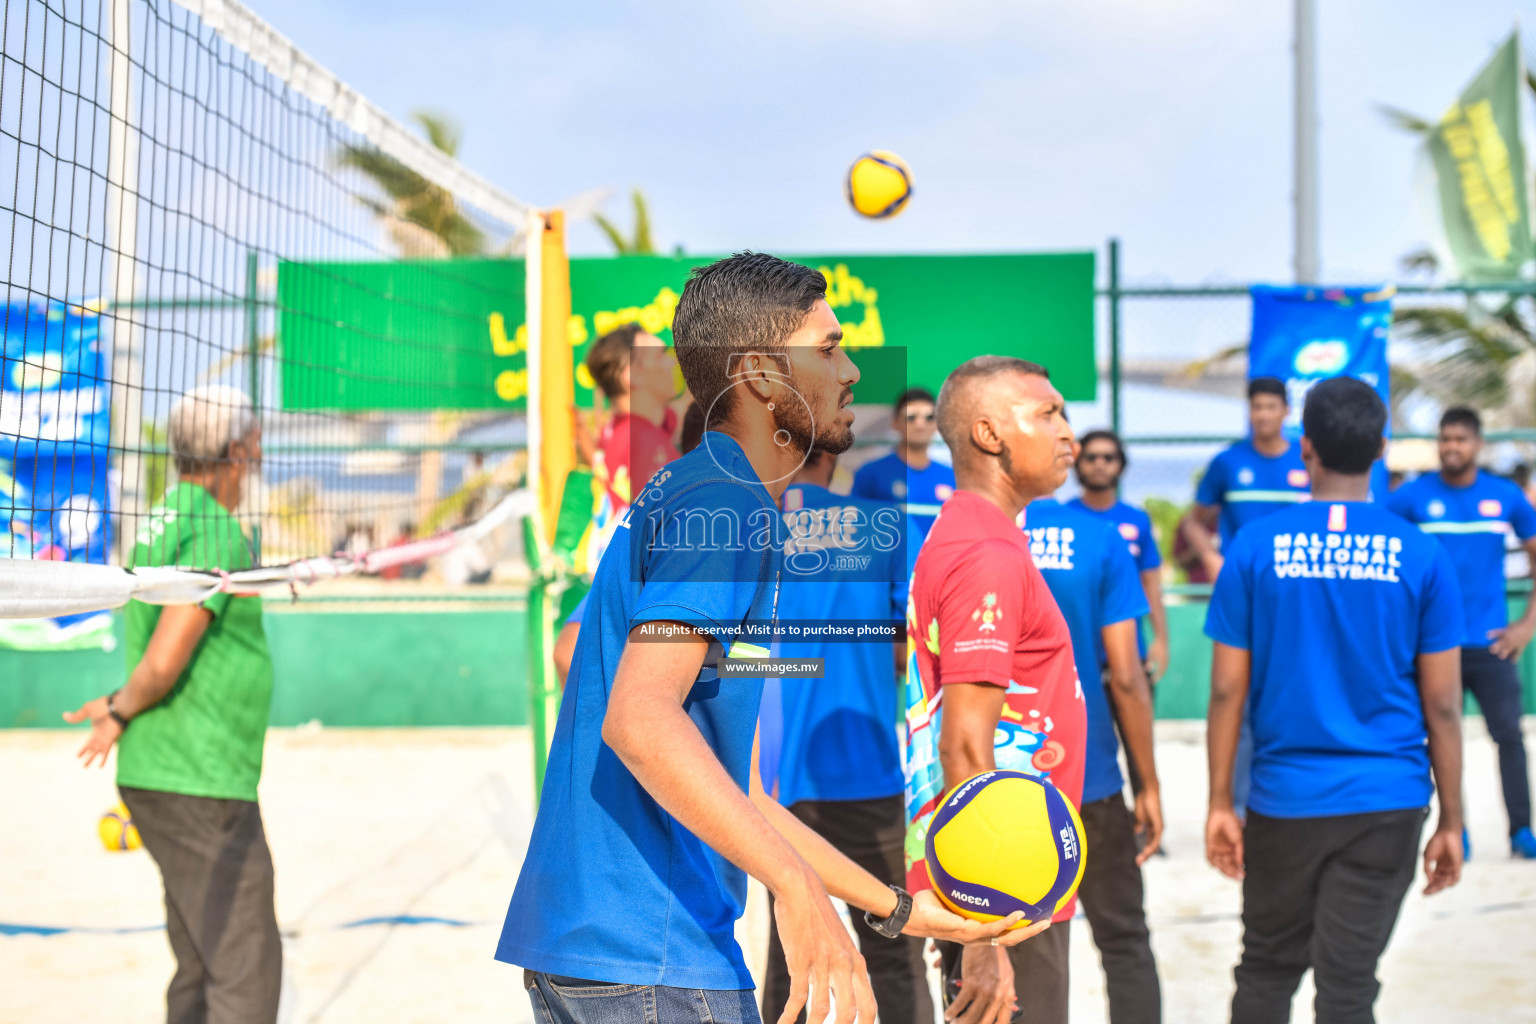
1114	335
120	264
1306	143
253	330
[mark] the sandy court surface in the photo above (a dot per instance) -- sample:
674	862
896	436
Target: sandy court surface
396	852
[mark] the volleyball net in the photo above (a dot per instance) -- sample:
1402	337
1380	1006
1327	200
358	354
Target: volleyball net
228	271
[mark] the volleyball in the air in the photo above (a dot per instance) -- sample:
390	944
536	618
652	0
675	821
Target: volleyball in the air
1005	841
117	830
879	184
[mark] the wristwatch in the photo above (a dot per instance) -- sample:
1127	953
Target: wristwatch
891	926
122	723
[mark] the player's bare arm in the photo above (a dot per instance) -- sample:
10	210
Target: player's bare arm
1199	529
170	648
1157	616
1508	643
1132	697
1440	692
1231	669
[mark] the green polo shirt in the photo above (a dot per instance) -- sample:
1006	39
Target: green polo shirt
205	738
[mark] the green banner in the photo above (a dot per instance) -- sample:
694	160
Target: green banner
441	334
1479	161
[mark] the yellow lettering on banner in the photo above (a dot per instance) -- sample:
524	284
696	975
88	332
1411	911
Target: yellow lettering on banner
502	345
512	385
1495	157
653	318
1482	165
845	289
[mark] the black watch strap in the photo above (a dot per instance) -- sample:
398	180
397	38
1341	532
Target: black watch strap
122	723
891	926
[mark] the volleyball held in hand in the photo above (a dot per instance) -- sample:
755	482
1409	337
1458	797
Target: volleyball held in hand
1004	841
118	831
879	184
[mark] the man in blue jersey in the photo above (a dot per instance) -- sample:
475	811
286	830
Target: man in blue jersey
1338	625
1099	469
828	749
636	871
1249	480
908	476
1471	512
1085	563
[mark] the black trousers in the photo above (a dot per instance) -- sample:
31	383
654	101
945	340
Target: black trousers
1112	896
1041	980
219	912
1496	685
871	833
1322	893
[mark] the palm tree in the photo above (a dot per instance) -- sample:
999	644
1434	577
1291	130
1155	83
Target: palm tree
421	217
1481	352
639	240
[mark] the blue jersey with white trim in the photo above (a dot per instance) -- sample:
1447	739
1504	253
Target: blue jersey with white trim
1472	523
920	491
1247	485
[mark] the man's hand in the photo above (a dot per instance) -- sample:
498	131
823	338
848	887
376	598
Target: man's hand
1149	822
1442	860
820	955
932	920
1508	643
986	993
1157	659
1224	841
104	731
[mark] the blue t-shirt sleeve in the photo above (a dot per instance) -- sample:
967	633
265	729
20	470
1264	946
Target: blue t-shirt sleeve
1123	596
574	619
1230	617
1401	503
1521	516
1150	557
1442	621
865	485
1213	485
712	587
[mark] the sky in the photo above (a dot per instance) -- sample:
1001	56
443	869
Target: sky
1028	125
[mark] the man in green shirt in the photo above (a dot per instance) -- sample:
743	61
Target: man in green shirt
190	723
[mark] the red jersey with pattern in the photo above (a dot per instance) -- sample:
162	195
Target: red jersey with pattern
980	612
630	450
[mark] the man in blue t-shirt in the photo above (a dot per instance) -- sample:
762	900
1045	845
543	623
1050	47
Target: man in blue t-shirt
828	747
1094	580
1338	625
636	872
1099	469
1472	512
1254	477
908	476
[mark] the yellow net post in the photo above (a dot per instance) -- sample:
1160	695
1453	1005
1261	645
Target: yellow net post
557	381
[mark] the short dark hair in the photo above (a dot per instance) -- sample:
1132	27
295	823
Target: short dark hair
749	302
1462	415
1105	435
913	395
1268	386
607	357
1345	418
953	432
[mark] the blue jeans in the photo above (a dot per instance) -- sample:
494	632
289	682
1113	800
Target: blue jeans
558	1000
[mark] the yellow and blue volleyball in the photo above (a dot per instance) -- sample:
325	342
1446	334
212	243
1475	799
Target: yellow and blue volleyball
879	184
1005	841
117	830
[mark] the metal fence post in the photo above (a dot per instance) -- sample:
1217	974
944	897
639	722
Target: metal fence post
253	327
1114	335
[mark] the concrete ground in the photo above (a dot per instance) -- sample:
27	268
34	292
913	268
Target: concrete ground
397	850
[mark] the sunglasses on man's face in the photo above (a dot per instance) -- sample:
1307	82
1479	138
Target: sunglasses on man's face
1099	457
919	417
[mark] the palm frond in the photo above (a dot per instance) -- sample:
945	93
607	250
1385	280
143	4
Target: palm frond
442	131
642	238
615	236
1420	260
1200	367
1406	120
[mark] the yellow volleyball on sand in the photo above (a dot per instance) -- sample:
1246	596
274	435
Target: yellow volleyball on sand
1005	841
879	184
118	831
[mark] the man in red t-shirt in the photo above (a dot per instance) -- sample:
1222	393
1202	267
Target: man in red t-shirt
991	681
638	374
